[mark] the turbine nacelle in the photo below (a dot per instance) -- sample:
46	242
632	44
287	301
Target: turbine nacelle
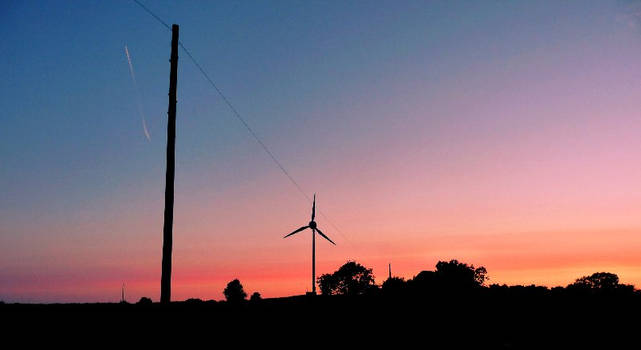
312	225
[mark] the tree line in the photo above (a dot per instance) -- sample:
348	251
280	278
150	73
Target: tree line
353	279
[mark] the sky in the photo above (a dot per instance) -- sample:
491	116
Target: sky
504	134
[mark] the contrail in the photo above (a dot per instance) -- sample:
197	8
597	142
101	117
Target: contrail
138	99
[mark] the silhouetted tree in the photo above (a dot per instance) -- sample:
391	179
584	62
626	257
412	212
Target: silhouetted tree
255	297
600	283
480	275
556	291
455	274
598	280
425	280
234	292
327	283
144	301
393	285
350	279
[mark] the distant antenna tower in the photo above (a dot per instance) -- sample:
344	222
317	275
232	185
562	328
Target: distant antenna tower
389	266
122	295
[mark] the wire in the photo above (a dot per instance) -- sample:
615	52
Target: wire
242	120
152	14
237	115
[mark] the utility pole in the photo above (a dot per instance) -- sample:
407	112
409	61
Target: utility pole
390	270
165	280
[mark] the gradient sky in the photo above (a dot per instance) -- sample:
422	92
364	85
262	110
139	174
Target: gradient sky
501	133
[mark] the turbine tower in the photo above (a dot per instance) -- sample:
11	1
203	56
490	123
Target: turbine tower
312	225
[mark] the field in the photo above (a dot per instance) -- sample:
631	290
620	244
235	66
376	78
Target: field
480	318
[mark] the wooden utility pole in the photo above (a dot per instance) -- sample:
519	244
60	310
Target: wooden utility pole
165	280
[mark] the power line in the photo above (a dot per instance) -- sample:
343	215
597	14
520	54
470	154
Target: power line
153	14
242	120
237	115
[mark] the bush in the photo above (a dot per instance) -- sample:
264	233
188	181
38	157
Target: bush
144	301
255	297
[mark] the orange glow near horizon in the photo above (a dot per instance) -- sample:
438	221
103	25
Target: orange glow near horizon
531	258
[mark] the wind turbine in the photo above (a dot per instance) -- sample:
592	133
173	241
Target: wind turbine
314	228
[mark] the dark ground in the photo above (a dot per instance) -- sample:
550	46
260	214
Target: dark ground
477	319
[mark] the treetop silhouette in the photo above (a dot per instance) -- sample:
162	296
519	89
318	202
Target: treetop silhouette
350	279
234	292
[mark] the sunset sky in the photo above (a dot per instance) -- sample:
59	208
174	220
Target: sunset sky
505	134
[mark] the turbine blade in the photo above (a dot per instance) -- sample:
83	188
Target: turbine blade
314	208
300	229
327	238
